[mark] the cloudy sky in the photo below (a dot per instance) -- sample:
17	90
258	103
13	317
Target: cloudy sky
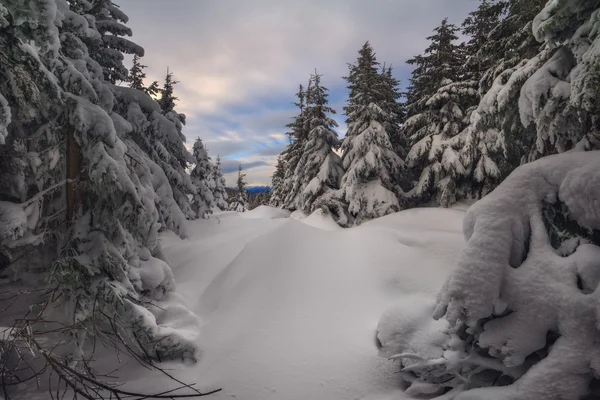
239	62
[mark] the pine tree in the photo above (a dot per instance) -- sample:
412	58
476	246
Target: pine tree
219	191
276	198
496	142
79	206
167	98
298	136
202	178
137	76
109	21
434	131
319	169
395	109
239	203
370	183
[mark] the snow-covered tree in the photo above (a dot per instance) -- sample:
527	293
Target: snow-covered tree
370	183
160	137
519	310
167	97
319	169
298	135
137	76
110	21
202	177
276	198
391	104
496	142
442	116
239	202
559	99
79	205
219	191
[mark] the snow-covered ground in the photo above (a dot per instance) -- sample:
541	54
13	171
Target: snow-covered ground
289	306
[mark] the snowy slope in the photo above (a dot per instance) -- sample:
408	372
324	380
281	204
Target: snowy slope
290	308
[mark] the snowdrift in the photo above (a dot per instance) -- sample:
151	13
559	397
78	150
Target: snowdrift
290	310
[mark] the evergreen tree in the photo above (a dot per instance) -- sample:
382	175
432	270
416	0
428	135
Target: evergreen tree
298	136
202	178
443	116
395	109
478	27
496	142
137	76
109	22
319	169
167	97
276	198
239	203
219	191
79	205
370	183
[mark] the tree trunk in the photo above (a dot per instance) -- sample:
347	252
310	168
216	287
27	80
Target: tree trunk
74	187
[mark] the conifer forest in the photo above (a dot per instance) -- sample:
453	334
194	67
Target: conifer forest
429	230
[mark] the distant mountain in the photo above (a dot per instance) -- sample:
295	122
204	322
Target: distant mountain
252	189
258	189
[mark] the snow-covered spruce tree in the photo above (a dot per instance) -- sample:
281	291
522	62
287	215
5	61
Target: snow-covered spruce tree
298	136
434	130
559	99
167	93
202	177
391	104
109	22
319	169
520	312
78	215
496	142
239	202
159	136
276	198
137	76
219	191
370	184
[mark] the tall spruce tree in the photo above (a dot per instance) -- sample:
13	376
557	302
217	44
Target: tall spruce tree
137	76
239	202
202	179
298	135
219	191
80	208
110	23
319	169
167	93
276	198
370	184
441	111
496	142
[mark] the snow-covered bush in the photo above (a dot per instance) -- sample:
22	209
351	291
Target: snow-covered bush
522	312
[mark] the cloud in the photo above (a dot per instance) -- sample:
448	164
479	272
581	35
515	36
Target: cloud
239	63
231	166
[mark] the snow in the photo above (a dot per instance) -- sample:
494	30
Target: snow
264	212
290	307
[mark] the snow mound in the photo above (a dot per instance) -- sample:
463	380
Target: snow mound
320	220
266	212
291	312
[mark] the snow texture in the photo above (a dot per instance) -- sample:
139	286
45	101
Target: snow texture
303	327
